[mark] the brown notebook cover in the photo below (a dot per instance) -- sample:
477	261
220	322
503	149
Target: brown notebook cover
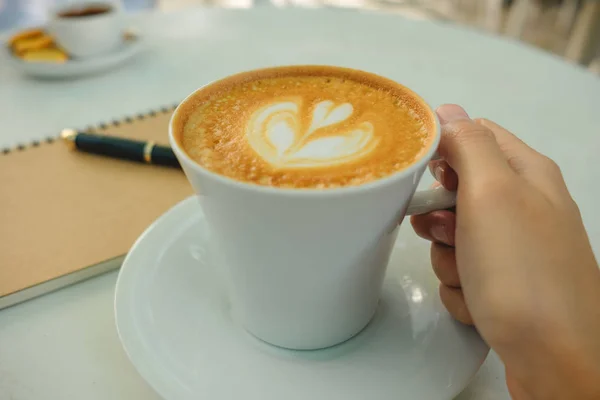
68	215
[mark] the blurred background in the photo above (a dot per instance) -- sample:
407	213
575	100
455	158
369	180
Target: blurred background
567	28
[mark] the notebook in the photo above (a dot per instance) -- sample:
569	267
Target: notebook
68	215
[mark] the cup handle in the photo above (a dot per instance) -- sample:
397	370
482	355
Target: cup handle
425	201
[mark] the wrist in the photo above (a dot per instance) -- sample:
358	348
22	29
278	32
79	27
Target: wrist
555	353
553	369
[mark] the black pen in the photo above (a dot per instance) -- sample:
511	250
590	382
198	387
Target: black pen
110	146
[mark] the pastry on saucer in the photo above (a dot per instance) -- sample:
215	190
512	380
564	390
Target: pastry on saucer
49	54
25	34
35	45
24	45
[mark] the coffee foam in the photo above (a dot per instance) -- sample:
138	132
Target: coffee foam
275	132
304	127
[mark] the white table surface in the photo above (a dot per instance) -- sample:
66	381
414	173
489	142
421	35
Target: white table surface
64	345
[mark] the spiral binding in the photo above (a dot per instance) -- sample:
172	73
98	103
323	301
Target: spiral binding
92	128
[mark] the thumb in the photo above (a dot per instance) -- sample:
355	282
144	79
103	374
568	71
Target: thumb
469	148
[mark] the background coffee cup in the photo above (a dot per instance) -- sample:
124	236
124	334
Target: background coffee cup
305	267
87	35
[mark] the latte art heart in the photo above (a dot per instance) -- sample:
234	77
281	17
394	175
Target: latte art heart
275	133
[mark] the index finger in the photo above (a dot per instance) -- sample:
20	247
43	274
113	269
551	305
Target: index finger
538	169
471	149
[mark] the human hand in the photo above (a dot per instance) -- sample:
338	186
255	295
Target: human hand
515	259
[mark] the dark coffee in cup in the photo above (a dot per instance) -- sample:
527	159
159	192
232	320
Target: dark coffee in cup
86	10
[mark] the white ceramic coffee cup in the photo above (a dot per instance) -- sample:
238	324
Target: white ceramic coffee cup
88	36
306	266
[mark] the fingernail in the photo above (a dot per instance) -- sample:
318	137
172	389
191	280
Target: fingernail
439	233
451	112
438	171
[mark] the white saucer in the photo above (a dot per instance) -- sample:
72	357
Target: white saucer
174	321
78	67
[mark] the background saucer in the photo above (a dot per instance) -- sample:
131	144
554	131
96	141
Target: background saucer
77	67
174	321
